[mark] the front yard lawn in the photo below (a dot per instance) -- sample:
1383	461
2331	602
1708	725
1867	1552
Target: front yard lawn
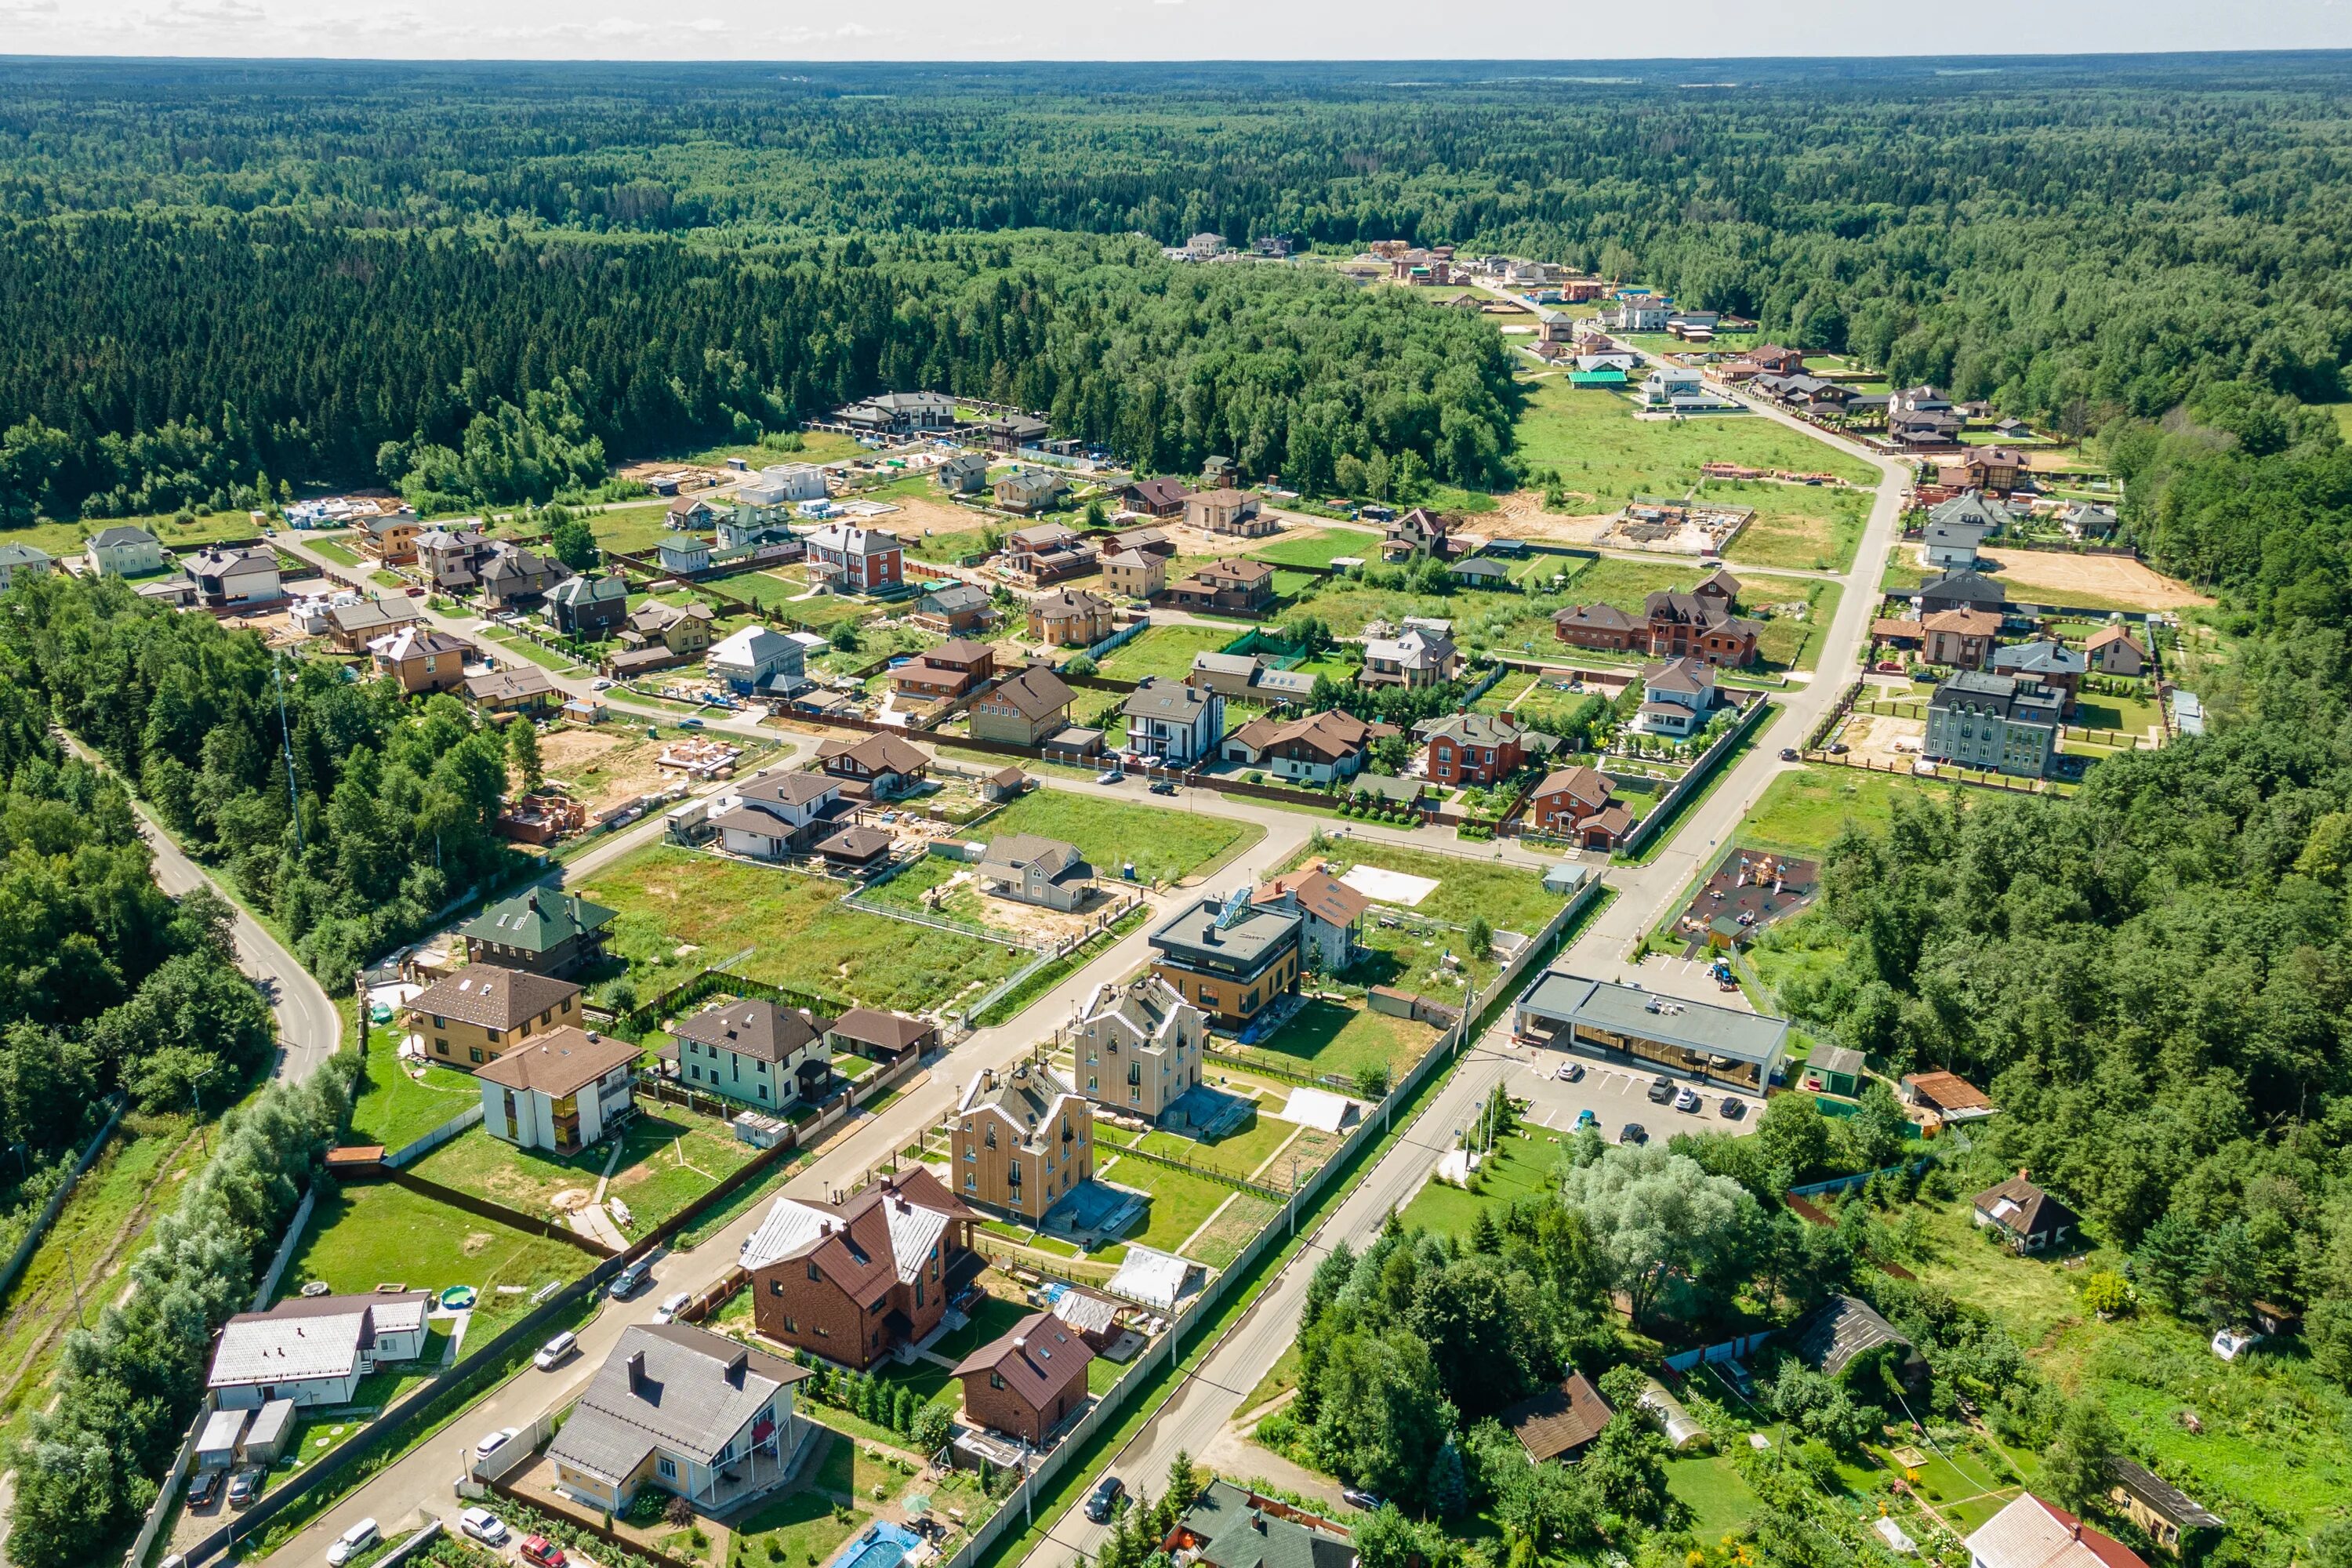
1520	1167
1512	898
680	911
668	1160
364	1236
1179	1200
1319	549
1164	844
797	1529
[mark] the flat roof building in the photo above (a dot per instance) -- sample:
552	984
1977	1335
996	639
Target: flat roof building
1696	1037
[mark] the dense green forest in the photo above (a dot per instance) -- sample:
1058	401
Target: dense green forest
2076	241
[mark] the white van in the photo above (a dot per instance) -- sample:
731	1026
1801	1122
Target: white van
352	1542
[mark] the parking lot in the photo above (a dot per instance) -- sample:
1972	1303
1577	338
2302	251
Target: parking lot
1615	1093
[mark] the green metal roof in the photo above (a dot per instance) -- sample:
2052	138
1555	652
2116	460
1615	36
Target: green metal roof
538	920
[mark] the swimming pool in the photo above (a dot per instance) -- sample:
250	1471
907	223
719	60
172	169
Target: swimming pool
880	1545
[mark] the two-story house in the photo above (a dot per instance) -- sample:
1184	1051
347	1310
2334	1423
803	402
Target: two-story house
753	1051
878	766
451	558
1177	723
1021	1139
353	627
482	1012
1317	749
541	929
513	578
758	660
1577	803
558	1091
1601	627
1330	914
590	607
1023	708
1031	870
856	560
659	636
1134	574
1476	749
855	1281
421	658
2049	661
1162	497
1047	552
1029	1383
125	549
1229	512
1227	957
1678	697
964	474
24	560
682	1410
1963	638
1070	618
1231	586
947	671
900	413
1031	491
1139	1045
226	576
954	608
1415	657
1700	625
782	815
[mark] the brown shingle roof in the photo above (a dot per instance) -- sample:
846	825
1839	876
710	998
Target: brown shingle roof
750	1027
1035	692
559	1063
491	997
1558	1420
1034	1359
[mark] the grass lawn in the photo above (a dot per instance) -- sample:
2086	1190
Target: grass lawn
1411	956
1802	526
1163	843
2275	1455
1520	1167
637	530
1179	1200
1710	1485
1785	641
1237	1154
1164	650
135	1178
1627	583
370	1236
1601	450
2131	715
523	648
1512	898
1319	549
680	912
1236	1226
668	1160
797	1529
334	550
396	1109
1325	1038
1803	810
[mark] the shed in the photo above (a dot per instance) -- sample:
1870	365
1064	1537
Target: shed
1558	1423
216	1444
1838	1340
265	1440
1834	1069
1158	1280
1564	878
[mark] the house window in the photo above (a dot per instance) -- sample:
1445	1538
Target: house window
992	1136
812	1272
971	1181
775	1287
441	1047
474	1052
667	1467
996	1380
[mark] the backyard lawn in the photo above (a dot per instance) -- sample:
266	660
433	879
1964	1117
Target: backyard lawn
1803	810
396	1109
992	1319
1164	651
1627	583
1237	1154
1163	843
1808	527
680	911
1320	548
1710	1485
1602	451
1784	641
797	1529
1179	1200
364	1236
668	1160
634	529
1326	1037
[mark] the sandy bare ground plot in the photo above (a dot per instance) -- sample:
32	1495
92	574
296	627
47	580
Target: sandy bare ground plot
601	767
1524	511
2120	578
1884	739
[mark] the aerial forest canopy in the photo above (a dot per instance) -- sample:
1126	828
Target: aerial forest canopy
683	254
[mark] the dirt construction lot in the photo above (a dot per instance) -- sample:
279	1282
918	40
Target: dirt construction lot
1524	510
2105	579
600	767
916	517
1883	739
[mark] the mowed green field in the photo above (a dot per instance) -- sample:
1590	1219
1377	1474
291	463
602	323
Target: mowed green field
1602	451
1511	898
680	911
1302	548
668	1159
1521	1167
1164	651
364	1236
634	529
1328	1037
1806	527
1163	843
1803	811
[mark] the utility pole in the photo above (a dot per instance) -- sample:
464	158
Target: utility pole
74	1279
285	740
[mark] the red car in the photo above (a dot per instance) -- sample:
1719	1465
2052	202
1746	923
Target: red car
540	1550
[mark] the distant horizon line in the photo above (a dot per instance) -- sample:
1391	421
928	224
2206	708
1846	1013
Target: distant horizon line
1517	68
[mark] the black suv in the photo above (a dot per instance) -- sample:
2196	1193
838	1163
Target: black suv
1109	1494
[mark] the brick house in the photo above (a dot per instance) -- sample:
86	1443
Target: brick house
1069	617
1139	1045
1700	625
1023	710
480	1012
1467	749
1021	1140
1965	638
878	766
1029	1383
1576	804
1602	626
854	1281
945	671
1231	584
856	559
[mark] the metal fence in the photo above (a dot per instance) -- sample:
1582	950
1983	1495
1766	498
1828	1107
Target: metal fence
1696	779
49	1211
409	1154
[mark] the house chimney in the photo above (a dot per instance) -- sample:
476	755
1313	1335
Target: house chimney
593	1036
637	1371
2021	1172
1258	1520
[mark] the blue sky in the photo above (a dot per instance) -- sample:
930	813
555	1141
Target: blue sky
1149	29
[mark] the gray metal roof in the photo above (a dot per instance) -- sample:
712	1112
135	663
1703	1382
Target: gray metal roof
1699	1026
694	1391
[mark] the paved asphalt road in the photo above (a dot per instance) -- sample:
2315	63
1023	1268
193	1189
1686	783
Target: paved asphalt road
1199	1413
